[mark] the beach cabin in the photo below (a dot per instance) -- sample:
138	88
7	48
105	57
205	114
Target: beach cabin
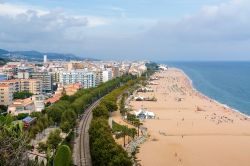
139	98
145	89
144	114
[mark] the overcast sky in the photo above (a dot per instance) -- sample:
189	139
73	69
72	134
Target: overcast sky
129	29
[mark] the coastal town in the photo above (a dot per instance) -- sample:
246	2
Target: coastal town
152	108
124	83
50	80
29	89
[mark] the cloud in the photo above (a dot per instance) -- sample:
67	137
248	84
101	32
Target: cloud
29	25
217	31
214	32
224	22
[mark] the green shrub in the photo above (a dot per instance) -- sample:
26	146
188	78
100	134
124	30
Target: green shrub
63	156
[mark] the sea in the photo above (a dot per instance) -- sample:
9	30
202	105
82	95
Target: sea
226	82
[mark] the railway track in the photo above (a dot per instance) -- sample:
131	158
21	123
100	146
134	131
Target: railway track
82	155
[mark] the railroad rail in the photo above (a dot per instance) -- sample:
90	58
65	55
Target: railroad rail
81	152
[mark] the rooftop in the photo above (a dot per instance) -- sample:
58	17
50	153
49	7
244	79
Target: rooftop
4	85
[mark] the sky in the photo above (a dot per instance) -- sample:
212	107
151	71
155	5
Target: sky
158	30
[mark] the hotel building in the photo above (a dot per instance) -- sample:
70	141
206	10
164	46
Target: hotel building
86	78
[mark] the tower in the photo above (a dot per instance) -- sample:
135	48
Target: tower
45	59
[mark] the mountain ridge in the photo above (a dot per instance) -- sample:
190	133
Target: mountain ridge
34	55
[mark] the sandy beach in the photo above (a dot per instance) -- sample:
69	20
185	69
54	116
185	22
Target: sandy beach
190	129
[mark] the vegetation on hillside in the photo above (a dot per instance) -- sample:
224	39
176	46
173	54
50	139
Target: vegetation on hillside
13	142
3	61
104	150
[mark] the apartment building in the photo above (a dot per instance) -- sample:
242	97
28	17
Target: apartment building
31	85
115	72
106	75
98	77
6	94
86	78
55	76
46	80
15	83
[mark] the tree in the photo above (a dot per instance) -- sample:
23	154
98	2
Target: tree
101	111
137	123
22	95
54	138
110	105
22	116
13	143
63	156
65	126
3	108
125	131
132	132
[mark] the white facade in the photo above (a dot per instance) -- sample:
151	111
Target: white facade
38	102
86	78
23	75
106	75
45	59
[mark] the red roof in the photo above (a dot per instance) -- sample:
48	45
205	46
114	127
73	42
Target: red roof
4	85
53	99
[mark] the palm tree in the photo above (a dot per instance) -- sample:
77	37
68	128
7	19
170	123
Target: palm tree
125	131
137	123
132	132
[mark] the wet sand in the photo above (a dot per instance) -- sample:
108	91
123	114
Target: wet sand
191	129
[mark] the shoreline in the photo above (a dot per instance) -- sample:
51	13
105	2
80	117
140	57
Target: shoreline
210	98
191	128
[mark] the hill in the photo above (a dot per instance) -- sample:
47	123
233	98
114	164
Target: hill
3	61
38	56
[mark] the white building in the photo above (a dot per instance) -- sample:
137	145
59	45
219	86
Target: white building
23	75
106	75
86	78
45	59
38	102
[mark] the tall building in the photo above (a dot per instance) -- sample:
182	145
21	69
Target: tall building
45	59
115	72
46	80
106	75
24	72
98	77
55	76
6	94
86	78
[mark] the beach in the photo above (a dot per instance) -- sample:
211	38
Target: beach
191	129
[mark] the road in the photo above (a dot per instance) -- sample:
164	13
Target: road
81	153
